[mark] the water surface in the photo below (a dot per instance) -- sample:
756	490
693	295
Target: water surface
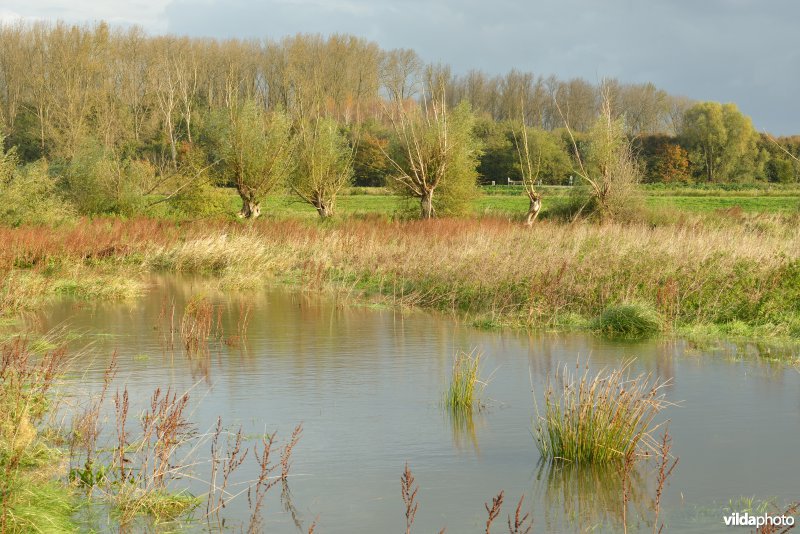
367	384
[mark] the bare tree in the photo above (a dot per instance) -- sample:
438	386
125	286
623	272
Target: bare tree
608	165
166	85
12	68
530	173
185	65
400	72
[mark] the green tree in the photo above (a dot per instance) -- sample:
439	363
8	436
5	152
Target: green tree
498	158
324	164
551	153
780	170
257	153
722	141
371	168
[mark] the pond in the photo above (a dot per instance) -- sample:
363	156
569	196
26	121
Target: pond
367	386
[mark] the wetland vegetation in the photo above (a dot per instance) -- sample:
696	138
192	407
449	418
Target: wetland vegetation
373	180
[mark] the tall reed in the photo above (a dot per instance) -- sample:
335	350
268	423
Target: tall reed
146	467
599	419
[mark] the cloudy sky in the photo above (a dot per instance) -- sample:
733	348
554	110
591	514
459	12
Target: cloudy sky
743	51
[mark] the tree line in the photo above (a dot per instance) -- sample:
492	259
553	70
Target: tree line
109	117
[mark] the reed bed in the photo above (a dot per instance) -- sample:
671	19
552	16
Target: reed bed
490	270
601	419
465	383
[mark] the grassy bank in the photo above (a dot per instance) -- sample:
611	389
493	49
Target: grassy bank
30	498
741	279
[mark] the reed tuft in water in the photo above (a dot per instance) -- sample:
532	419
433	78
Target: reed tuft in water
465	383
600	419
628	321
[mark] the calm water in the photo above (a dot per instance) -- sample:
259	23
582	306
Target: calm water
366	384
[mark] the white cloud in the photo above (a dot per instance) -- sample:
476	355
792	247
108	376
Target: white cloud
146	13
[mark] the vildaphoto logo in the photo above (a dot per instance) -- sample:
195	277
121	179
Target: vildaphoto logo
747	520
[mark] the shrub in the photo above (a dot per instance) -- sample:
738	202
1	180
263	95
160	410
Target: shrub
30	196
98	182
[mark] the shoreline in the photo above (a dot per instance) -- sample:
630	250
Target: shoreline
742	291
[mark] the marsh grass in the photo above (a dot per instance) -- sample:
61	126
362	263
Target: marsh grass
463	394
138	476
29	500
599	419
694	270
729	277
42	507
628	321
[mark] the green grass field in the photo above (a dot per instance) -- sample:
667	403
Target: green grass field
767	204
516	203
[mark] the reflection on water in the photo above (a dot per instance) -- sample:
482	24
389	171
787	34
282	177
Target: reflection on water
584	498
463	422
367	386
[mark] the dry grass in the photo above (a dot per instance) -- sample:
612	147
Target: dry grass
490	270
493	510
409	492
495	272
196	324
